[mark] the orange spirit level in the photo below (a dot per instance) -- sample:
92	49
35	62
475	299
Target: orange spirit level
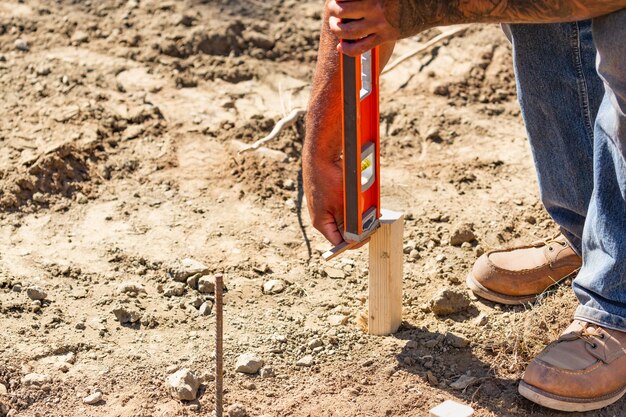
361	145
361	149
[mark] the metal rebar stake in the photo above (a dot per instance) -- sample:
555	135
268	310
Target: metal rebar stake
219	347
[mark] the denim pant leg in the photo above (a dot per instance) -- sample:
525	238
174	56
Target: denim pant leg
559	93
601	284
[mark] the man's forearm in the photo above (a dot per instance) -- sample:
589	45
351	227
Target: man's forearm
323	120
411	16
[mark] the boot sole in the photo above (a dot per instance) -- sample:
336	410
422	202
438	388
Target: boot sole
497	297
557	402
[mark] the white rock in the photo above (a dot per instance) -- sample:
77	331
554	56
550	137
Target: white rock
130	287
305	361
79	37
267	373
182	270
315	343
237	410
463	382
337	319
451	409
274	286
205	308
36	293
123	315
183	385
3	390
206	284
21	45
93	399
35	380
334	273
175	289
248	363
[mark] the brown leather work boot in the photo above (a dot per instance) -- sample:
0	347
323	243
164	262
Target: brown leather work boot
584	370
518	275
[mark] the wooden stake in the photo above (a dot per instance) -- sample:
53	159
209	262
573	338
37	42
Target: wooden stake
385	275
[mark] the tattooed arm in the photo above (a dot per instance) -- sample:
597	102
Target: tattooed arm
375	21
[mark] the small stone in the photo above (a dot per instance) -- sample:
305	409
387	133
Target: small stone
124	316
274	286
192	281
411	344
42	71
267	373
289	185
479	251
36	293
93	399
197	302
440	258
237	410
183	385
448	301
185	268
174	289
17	288
432	379
337	319
290	204
206	308
414	254
248	363
306	361
456	341
39	198
334	273
81	198
206	284
431	343
3	390
79	37
35	380
21	45
315	343
129	287
433	134
463	232
463	382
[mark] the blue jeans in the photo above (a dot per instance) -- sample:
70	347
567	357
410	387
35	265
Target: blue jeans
571	81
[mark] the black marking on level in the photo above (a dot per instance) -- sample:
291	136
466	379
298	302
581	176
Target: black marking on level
352	155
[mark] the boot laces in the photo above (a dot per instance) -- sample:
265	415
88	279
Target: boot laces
587	335
558	238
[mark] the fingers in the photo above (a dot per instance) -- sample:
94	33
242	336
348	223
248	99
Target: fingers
328	227
353	30
348	9
354	48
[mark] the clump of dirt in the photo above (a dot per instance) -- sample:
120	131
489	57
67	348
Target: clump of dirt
63	172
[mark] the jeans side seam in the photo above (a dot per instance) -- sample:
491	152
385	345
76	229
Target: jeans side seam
581	81
613	143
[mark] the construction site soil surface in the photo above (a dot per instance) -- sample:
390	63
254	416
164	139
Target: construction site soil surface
122	123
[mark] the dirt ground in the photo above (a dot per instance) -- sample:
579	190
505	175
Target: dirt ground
121	126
